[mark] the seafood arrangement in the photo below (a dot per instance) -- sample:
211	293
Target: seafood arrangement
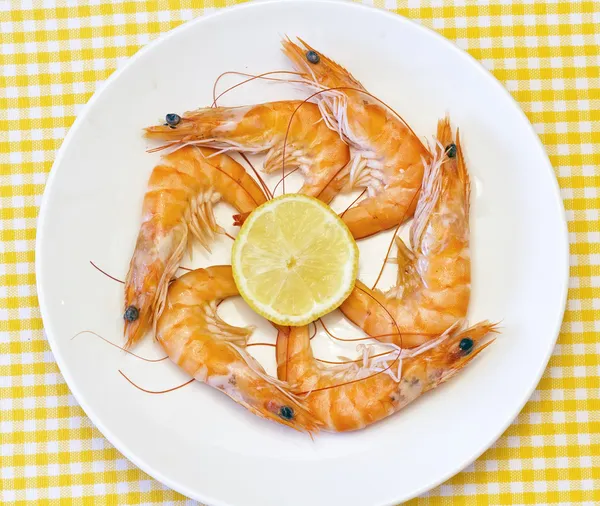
341	138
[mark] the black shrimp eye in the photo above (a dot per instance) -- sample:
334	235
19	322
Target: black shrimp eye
172	119
466	345
313	57
286	412
451	150
132	313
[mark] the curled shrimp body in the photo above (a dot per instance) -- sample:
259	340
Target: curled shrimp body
212	351
387	156
307	142
434	279
351	396
182	190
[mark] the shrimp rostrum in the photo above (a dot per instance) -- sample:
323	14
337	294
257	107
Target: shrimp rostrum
213	352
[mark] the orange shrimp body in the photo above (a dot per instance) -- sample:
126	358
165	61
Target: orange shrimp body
308	144
434	279
351	396
212	351
182	190
387	156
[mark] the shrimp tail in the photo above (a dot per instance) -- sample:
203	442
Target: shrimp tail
361	304
236	336
282	351
239	219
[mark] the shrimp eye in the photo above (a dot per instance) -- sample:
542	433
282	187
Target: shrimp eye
172	119
132	313
451	150
313	56
466	345
286	412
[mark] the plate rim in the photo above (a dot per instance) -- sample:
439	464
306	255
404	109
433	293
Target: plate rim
120	445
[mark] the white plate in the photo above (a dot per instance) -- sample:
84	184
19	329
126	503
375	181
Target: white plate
199	442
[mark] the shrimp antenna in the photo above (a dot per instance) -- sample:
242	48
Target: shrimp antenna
330	334
278	384
284	177
394	235
252	77
376	336
385	309
265	188
308	392
353	361
155	391
412	353
120	347
353	202
365	92
106	273
387	254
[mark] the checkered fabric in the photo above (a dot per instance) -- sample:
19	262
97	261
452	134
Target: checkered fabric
53	54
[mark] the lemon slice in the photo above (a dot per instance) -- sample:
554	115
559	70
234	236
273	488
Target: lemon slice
294	260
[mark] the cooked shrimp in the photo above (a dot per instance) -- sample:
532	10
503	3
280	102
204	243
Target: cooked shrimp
434	279
304	139
387	156
182	190
212	351
351	396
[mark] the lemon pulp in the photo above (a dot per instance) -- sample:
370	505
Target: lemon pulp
294	260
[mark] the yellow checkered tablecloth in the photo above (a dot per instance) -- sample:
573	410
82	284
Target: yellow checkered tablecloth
53	54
